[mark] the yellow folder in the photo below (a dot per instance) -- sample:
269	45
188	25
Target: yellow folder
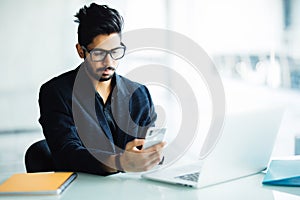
37	183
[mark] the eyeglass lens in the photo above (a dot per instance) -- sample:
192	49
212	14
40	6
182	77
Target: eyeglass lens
99	54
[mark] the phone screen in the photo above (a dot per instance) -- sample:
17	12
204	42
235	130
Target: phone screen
154	136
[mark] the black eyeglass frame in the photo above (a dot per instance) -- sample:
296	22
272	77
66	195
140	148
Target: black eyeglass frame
106	52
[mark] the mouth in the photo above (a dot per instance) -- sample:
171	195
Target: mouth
106	69
101	74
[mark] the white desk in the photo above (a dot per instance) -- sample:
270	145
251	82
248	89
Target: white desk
126	186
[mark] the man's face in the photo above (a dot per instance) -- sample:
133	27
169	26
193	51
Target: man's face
102	70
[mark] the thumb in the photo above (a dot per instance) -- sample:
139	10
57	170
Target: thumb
134	143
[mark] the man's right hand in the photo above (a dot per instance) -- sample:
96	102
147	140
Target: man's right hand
135	160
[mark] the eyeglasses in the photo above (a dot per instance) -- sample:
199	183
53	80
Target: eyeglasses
98	55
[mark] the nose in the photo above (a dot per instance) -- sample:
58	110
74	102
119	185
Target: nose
108	60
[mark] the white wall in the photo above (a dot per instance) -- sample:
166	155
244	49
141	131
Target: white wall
230	26
38	39
38	42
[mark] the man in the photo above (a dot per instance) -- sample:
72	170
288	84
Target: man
94	120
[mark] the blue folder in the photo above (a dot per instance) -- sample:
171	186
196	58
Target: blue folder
283	173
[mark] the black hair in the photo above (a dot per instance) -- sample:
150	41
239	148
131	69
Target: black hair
95	20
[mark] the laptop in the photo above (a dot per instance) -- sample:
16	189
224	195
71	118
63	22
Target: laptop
244	149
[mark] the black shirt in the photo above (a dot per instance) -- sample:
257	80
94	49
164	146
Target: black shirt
106	109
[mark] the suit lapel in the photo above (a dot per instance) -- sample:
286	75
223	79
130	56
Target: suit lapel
85	114
121	96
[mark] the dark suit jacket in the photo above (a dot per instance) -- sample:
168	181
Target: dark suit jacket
75	128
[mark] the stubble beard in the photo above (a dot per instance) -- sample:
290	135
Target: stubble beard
97	77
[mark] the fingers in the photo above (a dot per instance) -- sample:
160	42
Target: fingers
153	159
150	163
134	143
156	147
135	160
141	162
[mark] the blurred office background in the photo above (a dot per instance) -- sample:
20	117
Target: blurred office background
254	44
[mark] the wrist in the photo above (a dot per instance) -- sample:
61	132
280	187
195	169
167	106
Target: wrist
118	163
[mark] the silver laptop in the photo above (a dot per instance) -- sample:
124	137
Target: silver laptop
243	149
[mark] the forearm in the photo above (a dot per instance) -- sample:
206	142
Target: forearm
81	160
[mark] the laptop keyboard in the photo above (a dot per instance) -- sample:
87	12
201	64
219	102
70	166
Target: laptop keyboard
190	177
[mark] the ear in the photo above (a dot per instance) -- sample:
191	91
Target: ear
80	51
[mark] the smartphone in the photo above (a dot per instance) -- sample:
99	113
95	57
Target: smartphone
154	136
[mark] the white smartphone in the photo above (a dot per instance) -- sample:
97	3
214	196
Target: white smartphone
154	136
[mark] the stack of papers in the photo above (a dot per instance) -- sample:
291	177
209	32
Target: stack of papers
37	183
283	173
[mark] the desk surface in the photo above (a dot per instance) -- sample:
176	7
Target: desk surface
131	186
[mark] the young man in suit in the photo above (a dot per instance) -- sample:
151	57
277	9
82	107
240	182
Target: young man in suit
93	119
